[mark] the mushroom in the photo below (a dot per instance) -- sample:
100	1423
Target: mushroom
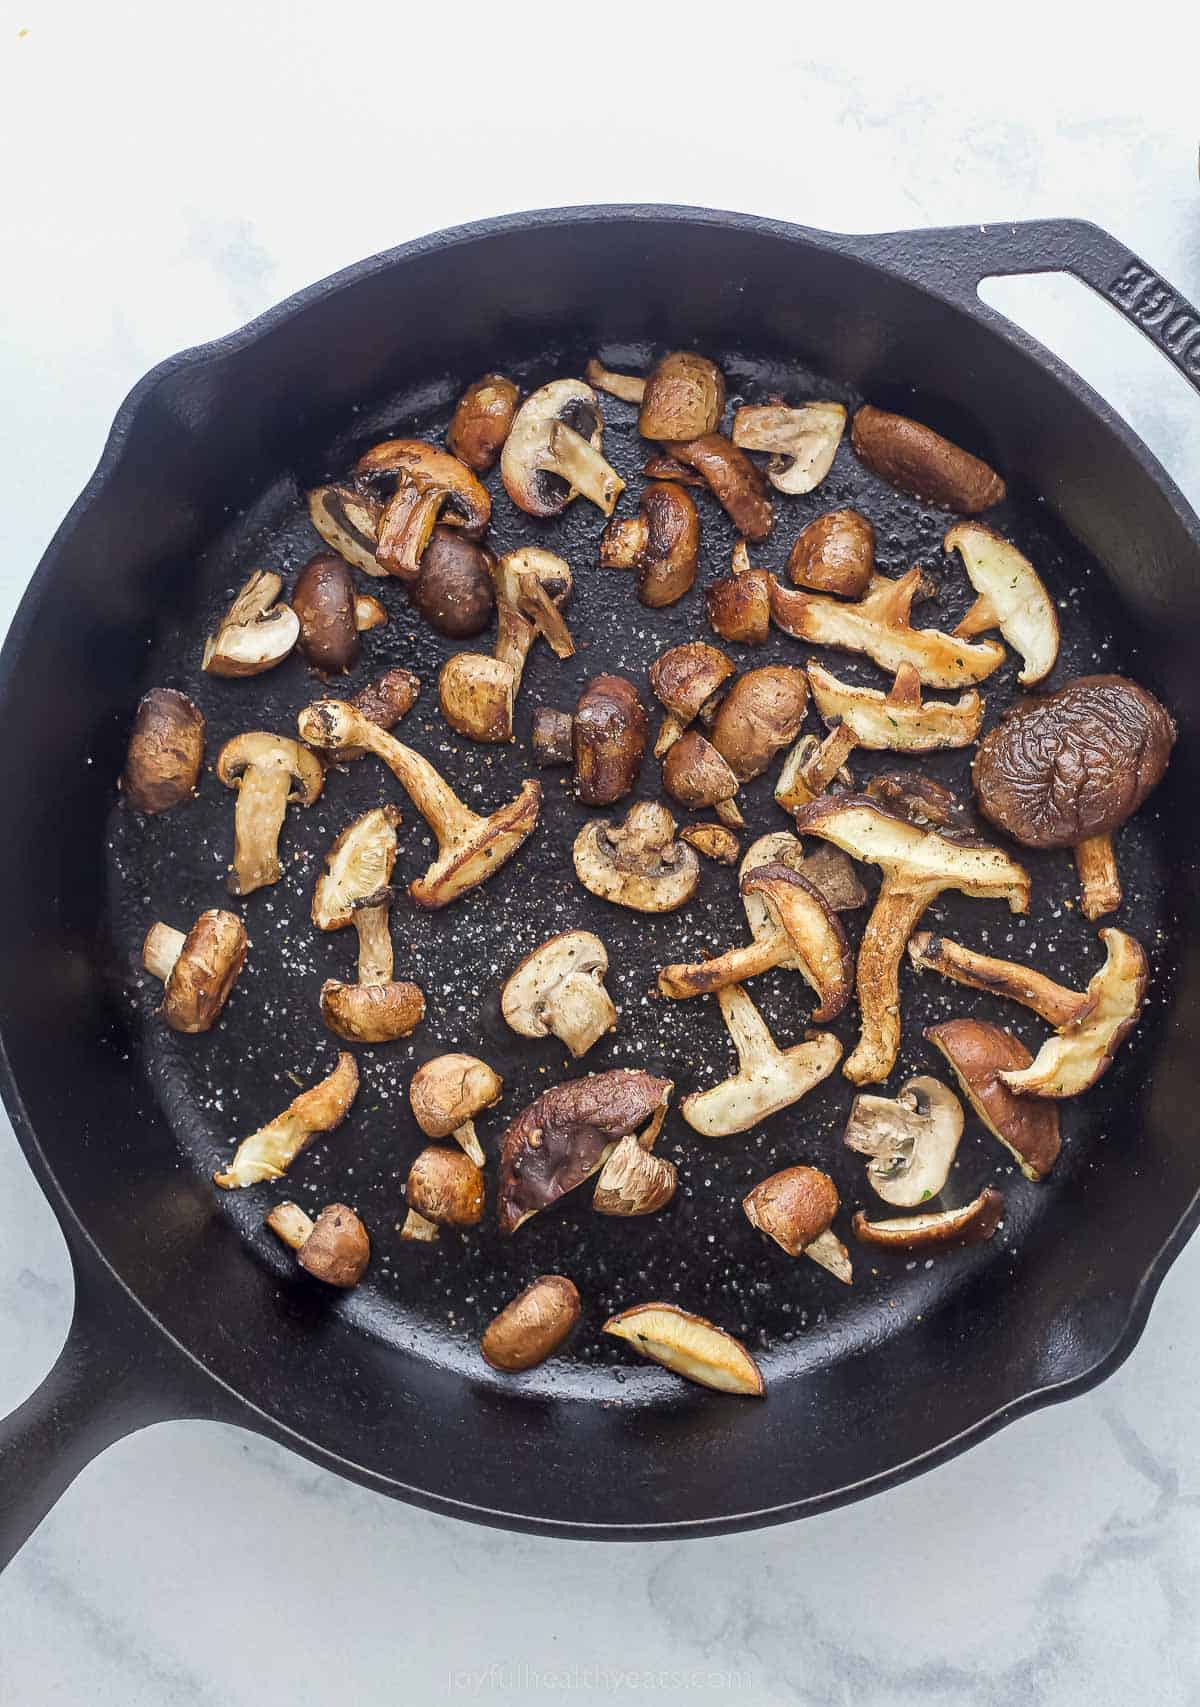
448	1092
453	590
354	890
899	720
1090	1025
269	1152
482	420
980	1055
687	679
327	610
348	521
714	841
662	542
608	740
834	554
552	737
917	866
796	1207
444	1189
637	864
880	626
911	1138
730	476
470	848
795	928
696	775
552	454
1011	598
333	1248
918	799
166	750
761	713
477	693
739	605
917	460
268	771
384	701
428	484
1066	769
568	1133
827	869
970	1225
558	990
634	1181
690	1346
813	766
198	969
256	632
533	1326
660	466
629	387
684	397
803	440
768	1078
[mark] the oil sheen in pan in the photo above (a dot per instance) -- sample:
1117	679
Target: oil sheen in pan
700	1252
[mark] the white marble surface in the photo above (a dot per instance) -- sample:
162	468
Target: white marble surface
159	165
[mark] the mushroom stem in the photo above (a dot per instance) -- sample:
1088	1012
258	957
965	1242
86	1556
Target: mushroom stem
466	1139
161	949
747	1028
417	1227
812	776
629	387
289	1222
1057	1005
1096	863
670	730
896	914
583	467
733	967
376	958
406	526
257	821
429	792
829	1251
514	638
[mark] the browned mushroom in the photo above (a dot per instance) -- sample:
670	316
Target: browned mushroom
608	740
348	521
256	632
739	605
267	771
634	1181
714	841
796	1207
482	419
662	543
629	387
384	701
269	1152
166	750
696	775
982	1057
684	397
690	1346
687	679
803	441
552	737
333	1248
920	800
897	721
453	590
920	461
558	991
834	554
553	452
1011	598
444	1189
768	1078
730	476
325	605
477	693
198	970
761	713
827	868
428	484
813	766
448	1092
941	1229
637	864
533	1326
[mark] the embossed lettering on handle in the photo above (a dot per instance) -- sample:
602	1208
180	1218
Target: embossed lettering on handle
1151	303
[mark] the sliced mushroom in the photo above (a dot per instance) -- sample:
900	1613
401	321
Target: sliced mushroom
690	1346
911	1139
558	991
166	750
482	420
812	767
899	720
470	848
444	1189
348	521
552	454
269	1152
533	1326
448	1092
730	476
568	1133
739	606
918	460
768	1078
687	679
761	713
256	632
714	841
980	1055
634	1181
662	543
453	590
354	890
325	606
428	484
917	865
1011	598
827	869
1090	1024
477	693
696	775
684	397
268	771
970	1225
198	969
637	864
803	440
629	387
608	740
796	1207
919	800
834	554
333	1248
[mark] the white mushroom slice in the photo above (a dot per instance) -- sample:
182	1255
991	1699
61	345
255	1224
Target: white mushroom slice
1011	598
804	440
911	1140
899	720
552	453
256	633
637	864
768	1078
689	1346
970	1225
348	522
558	990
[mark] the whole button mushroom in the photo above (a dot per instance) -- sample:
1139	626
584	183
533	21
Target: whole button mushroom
533	1326
448	1092
662	543
166	750
444	1189
795	1208
917	460
608	740
482	420
683	398
198	970
834	554
738	606
453	590
333	1248
761	713
326	607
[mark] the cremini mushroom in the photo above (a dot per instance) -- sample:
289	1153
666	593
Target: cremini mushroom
662	543
448	1092
268	771
348	521
355	890
629	387
477	693
637	864
911	1138
917	865
256	632
1090	1024
269	1152
730	476
834	554
812	766
552	737
827	868
197	969
444	1189
796	1207
795	928
738	606
384	701
761	713
470	848
333	1248
1011	597
166	750
553	452
696	775
768	1078
558	991
919	799
608	739
688	680
330	615
690	1346
917	460
980	1055
944	1228
634	1181
803	441
533	1325
899	720
715	841
684	397
568	1133
482	420
453	590
428	485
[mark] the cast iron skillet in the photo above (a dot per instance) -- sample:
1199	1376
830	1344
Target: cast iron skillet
184	1307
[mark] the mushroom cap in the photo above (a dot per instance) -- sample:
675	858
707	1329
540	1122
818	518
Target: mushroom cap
695	774
371	1013
533	1325
324	603
255	633
348	521
637	864
804	440
684	397
533	487
559	990
481	421
1075	763
916	459
979	1053
478	695
166	750
357	866
970	1225
689	1346
445	1186
337	1250
686	677
388	698
835	553
453	589
793	1207
608	740
209	962
762	712
821	950
1011	590
259	747
911	1140
450	1090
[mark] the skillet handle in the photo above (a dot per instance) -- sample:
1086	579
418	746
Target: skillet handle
953	261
